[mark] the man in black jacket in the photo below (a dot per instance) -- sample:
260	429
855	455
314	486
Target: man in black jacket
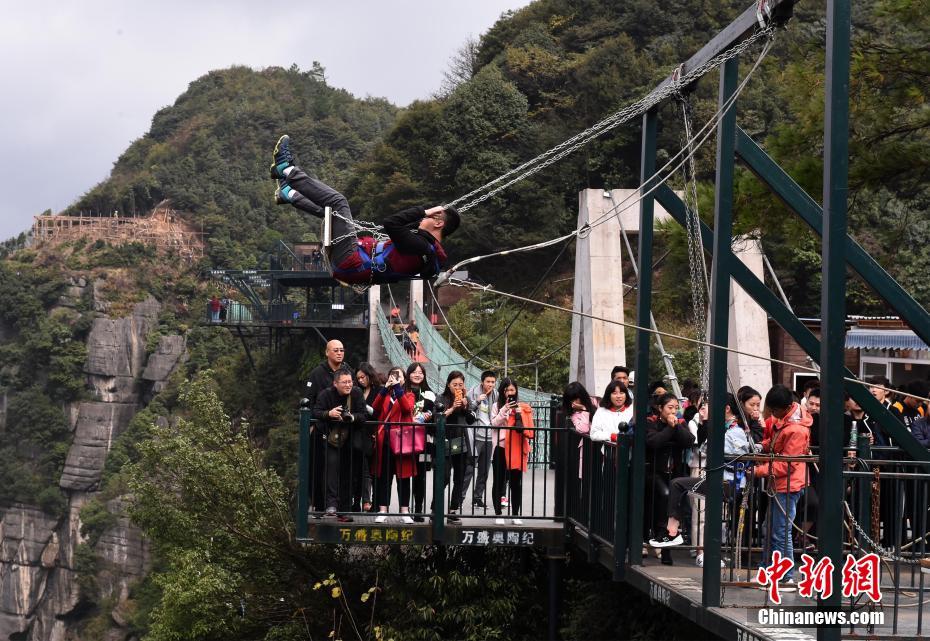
414	248
339	409
321	378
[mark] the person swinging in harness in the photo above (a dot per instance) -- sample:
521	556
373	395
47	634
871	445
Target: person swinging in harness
413	249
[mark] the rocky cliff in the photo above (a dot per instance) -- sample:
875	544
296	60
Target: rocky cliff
39	592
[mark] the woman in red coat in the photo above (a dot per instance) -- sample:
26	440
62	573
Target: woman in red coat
393	405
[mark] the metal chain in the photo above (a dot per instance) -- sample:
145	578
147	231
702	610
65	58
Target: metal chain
696	263
885	553
618	118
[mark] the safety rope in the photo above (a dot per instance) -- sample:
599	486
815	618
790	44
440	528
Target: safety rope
656	180
626	114
456	282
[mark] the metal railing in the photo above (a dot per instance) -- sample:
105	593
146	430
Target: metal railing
437	470
289	314
886	512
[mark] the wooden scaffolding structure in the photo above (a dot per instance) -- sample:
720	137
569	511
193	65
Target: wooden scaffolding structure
163	228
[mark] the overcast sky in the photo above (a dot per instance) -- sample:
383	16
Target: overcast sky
81	80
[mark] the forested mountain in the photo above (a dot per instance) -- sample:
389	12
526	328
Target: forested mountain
210	151
214	502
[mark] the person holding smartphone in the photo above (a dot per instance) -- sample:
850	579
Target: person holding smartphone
459	414
393	405
514	421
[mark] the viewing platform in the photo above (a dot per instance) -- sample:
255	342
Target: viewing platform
577	496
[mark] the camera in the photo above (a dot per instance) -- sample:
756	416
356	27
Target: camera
511	399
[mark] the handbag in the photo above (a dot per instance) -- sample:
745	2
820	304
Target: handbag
455	445
408	439
337	435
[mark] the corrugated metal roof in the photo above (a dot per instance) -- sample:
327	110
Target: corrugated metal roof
884	339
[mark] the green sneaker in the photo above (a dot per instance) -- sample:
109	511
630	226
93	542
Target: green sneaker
282	193
283	157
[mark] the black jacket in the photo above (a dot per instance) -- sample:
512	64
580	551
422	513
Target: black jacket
409	239
666	445
457	421
320	379
330	398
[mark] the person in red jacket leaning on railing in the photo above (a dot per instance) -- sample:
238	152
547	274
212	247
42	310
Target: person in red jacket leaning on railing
790	437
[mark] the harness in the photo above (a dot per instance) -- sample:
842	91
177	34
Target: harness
377	262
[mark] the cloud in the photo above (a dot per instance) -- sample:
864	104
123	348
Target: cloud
89	76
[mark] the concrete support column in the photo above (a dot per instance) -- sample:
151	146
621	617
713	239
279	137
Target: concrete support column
416	297
749	326
597	346
376	354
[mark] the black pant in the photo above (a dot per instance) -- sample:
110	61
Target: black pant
312	196
679	491
358	470
477	467
455	466
388	473
503	476
338	477
419	487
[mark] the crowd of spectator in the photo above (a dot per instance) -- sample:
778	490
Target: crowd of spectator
373	432
781	422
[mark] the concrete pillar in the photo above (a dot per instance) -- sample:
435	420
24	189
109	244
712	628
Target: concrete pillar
749	326
416	297
598	346
376	353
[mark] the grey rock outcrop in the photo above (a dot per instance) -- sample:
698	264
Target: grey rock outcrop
25	534
98	426
171	351
39	591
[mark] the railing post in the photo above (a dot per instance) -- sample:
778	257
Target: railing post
439	480
719	331
833	294
622	506
643	311
558	441
303	474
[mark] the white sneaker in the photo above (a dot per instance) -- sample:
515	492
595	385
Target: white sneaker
517	521
499	521
381	518
407	519
699	561
667	541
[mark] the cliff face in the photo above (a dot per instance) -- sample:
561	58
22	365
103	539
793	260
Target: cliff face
39	592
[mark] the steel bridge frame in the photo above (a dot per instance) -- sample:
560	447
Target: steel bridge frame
839	249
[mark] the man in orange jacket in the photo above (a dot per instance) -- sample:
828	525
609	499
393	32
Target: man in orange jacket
790	437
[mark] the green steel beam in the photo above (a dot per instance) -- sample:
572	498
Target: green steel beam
719	331
833	298
792	195
797	330
643	309
622	507
439	480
